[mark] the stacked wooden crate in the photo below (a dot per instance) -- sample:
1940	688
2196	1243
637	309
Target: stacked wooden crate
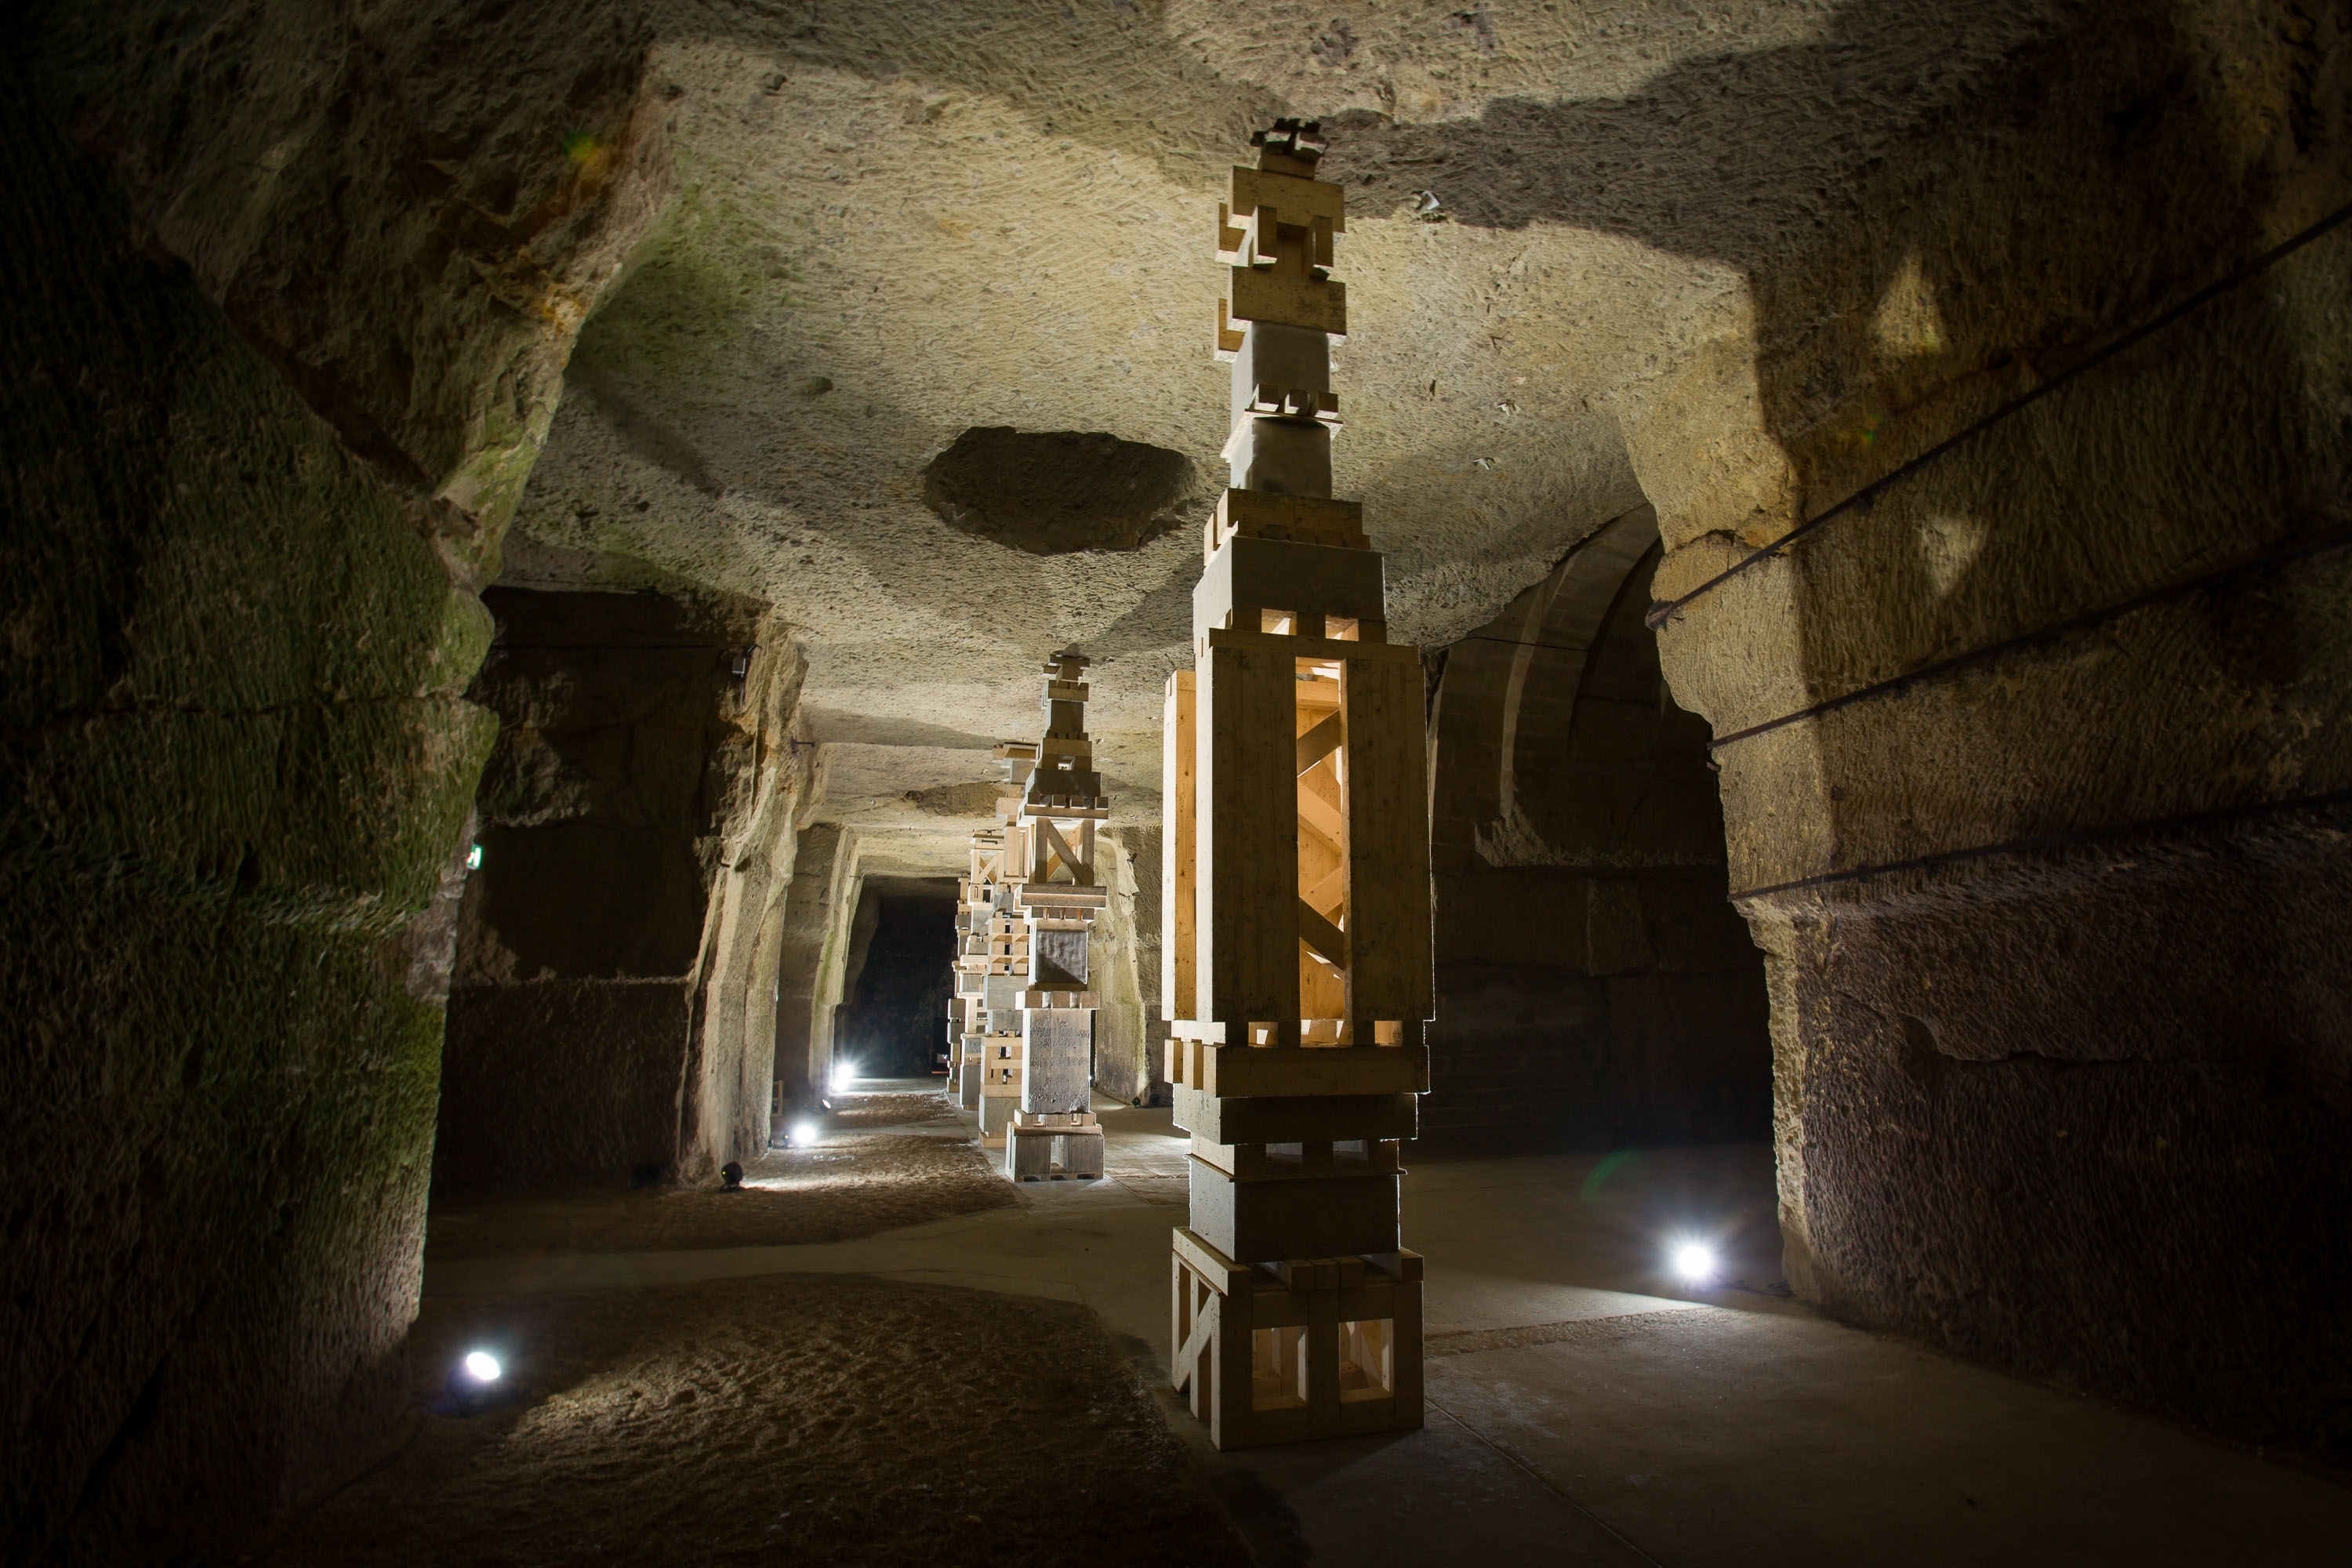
1297	938
978	895
1004	947
1054	1132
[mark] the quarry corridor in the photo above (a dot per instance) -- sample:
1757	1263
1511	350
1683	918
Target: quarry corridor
1176	781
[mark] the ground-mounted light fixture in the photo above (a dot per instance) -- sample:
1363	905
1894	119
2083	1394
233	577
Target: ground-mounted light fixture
1693	1261
731	1173
474	1381
803	1134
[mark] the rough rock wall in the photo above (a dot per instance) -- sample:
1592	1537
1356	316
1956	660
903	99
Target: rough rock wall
2035	765
238	766
410	209
1595	988
819	908
764	765
630	824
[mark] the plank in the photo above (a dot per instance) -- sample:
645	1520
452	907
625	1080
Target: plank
1388	890
1247	847
1289	299
1322	935
1178	911
1226	1119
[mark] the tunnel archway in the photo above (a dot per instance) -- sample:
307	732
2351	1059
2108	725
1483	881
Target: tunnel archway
1595	986
893	1023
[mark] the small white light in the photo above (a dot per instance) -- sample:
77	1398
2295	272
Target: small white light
1694	1261
844	1074
482	1366
803	1134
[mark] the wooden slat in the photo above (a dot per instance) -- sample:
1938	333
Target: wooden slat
1222	1274
1247	847
1289	300
1322	816
1244	1070
1179	911
1388	862
1319	741
1322	935
1328	891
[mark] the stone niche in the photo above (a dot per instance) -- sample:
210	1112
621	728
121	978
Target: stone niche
1594	988
619	759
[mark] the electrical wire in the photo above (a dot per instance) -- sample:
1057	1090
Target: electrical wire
1864	498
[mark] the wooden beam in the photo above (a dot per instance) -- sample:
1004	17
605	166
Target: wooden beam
1178	908
1322	935
1320	741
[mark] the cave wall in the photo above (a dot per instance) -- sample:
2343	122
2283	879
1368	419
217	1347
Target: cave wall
819	909
1595	988
238	769
610	940
2035	758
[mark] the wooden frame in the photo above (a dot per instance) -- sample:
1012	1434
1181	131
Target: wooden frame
1295	936
1356	1322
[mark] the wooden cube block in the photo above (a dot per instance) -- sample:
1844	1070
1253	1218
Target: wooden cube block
1281	456
1276	1219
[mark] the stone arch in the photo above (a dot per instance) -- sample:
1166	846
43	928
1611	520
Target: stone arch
1595	987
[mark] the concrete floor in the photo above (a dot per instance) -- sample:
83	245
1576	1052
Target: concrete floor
1629	1420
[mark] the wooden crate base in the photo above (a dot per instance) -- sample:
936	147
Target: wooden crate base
1294	1352
1054	1148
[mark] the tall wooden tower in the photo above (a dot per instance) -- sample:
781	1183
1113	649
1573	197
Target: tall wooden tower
1295	901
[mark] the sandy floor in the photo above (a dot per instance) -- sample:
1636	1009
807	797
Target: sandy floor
777	1420
854	1110
853	1183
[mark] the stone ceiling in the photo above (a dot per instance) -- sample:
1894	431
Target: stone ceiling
894	224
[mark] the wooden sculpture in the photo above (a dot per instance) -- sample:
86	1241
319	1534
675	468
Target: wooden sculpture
1005	933
1297	939
1054	1132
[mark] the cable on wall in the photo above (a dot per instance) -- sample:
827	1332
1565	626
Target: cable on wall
2044	842
1862	499
2052	633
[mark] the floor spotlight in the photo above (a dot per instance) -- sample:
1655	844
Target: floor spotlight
1694	1261
731	1173
474	1383
844	1077
803	1134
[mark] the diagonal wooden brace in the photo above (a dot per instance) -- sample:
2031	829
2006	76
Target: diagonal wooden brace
1322	936
1320	741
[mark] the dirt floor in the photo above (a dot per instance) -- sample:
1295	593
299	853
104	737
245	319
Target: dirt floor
776	1420
850	1184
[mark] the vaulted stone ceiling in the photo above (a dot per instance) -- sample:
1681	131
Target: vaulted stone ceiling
816	244
890	225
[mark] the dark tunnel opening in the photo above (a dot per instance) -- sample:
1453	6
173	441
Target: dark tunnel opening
895	1022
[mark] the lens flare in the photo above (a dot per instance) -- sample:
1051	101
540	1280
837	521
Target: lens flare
803	1134
482	1366
845	1076
1694	1261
